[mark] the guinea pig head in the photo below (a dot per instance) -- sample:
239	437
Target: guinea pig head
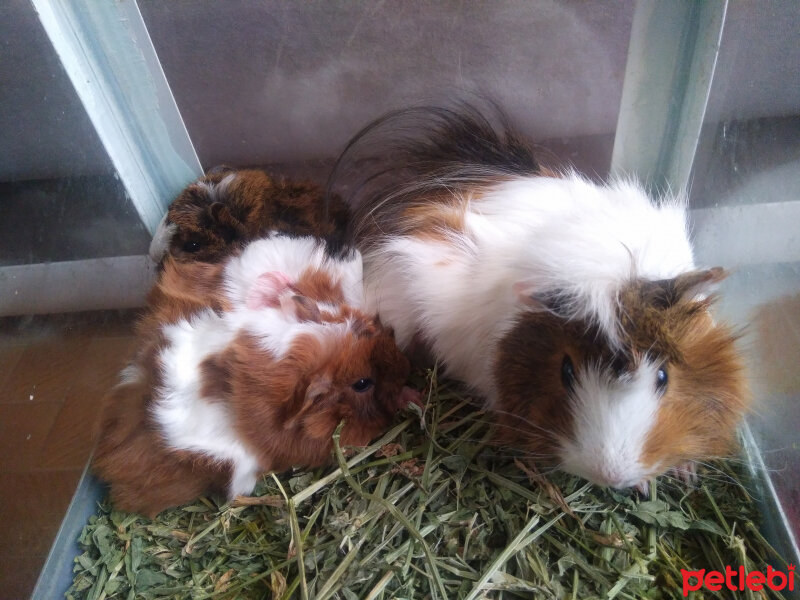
667	388
358	377
337	365
228	207
201	223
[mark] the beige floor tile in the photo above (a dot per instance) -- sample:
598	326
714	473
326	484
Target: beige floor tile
31	509
24	429
45	371
71	438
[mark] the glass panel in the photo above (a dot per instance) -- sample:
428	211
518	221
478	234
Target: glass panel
746	196
60	198
283	83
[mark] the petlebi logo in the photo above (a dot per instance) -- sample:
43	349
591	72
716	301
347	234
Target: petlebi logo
736	580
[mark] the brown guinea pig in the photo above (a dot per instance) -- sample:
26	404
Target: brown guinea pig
216	397
228	207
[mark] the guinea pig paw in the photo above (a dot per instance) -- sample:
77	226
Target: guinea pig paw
643	487
267	290
685	472
410	396
411	399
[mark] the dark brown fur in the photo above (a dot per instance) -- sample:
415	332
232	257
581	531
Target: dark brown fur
255	203
533	404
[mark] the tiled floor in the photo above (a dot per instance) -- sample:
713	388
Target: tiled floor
53	373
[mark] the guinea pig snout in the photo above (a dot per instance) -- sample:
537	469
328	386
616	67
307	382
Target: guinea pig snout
613	419
609	462
616	475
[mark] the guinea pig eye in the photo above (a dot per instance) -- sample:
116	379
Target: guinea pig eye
618	366
567	372
362	385
661	378
191	246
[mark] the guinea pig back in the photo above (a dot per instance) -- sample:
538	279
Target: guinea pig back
574	308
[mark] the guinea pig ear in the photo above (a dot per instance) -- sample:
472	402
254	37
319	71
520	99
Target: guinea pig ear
319	387
528	295
301	308
364	327
267	290
698	283
694	284
219	170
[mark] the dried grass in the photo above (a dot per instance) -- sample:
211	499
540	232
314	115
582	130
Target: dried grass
428	511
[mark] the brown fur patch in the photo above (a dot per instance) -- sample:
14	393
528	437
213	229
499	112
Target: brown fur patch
533	405
548	172
182	290
707	393
318	285
435	219
704	401
253	204
215	378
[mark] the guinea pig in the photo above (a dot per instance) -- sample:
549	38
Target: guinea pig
218	396
228	207
574	308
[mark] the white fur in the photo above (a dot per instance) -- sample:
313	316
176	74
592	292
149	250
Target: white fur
276	331
291	256
161	239
191	422
130	375
545	236
612	420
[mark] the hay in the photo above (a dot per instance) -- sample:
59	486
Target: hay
428	511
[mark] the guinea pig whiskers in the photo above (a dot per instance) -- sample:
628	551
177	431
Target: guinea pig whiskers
723	476
522	420
516	452
711	472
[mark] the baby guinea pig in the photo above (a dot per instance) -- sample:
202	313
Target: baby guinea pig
228	207
215	398
575	309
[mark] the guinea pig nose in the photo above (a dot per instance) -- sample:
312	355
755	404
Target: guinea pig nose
611	476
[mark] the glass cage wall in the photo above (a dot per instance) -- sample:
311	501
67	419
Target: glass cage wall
61	199
745	196
286	84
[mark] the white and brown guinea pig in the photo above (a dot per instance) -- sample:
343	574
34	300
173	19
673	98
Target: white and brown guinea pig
217	396
575	309
228	207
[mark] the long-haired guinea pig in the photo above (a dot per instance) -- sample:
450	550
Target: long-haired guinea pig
214	398
228	207
574	308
